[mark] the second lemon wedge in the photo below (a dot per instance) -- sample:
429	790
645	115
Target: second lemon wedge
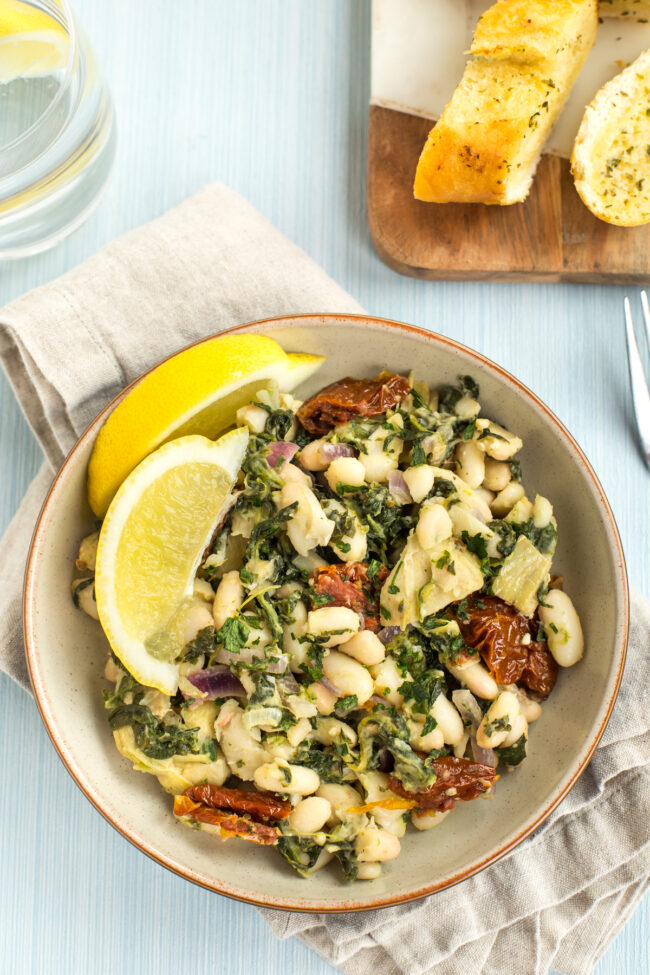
197	391
32	43
150	547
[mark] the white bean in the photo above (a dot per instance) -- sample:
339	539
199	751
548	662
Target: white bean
419	481
312	457
88	552
228	598
341	798
298	732
280	776
562	627
291	644
203	590
345	470
378	464
519	728
476	678
427	743
309	526
324	700
253	417
310	815
530	709
434	525
471	463
427	820
84	596
484	497
368	871
329	730
340	621
521	511
366	647
499	444
291	474
348	676
505	709
387	680
507	498
497	475
196	618
449	720
542	512
376	845
467	408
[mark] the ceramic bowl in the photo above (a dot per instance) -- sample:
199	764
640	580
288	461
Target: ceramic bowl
66	650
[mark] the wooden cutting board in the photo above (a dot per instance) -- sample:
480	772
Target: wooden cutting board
550	237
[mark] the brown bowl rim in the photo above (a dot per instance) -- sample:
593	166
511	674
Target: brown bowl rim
263	900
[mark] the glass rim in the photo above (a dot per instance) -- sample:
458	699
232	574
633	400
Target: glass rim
71	28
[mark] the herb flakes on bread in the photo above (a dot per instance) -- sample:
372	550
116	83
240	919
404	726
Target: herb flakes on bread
526	55
611	155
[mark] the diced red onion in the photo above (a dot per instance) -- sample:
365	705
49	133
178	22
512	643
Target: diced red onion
280	449
399	488
330	451
217	682
468	707
376	699
288	684
278	665
486	756
329	686
387	633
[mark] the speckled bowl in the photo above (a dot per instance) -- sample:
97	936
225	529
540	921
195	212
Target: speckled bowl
66	650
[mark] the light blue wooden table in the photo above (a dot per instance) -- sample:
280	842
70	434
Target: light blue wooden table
272	99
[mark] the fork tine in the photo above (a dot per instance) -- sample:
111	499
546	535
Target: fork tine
640	394
646	316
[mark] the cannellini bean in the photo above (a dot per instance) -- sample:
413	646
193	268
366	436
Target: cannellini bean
506	709
530	709
497	475
349	676
299	731
203	590
471	463
503	446
432	740
83	592
339	621
427	820
376	845
388	679
476	678
312	457
228	598
467	408
324	857
341	798
241	747
291	644
253	417
485	497
562	628
345	470
366	647
309	526
519	728
329	730
542	512
449	720
88	553
434	525
369	871
521	512
507	498
112	672
324	700
419	481
310	815
378	463
280	776
196	618
291	474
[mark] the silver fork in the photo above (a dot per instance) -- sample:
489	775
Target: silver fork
640	394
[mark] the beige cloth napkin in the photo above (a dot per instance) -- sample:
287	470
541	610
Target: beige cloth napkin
68	347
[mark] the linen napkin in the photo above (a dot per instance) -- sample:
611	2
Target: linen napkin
212	262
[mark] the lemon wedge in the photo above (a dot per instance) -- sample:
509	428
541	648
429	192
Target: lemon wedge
197	391
150	547
32	43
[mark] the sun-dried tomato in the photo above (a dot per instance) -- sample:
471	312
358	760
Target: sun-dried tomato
459	780
540	672
348	584
259	804
496	630
229	823
340	401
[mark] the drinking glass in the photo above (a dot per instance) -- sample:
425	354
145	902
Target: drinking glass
57	128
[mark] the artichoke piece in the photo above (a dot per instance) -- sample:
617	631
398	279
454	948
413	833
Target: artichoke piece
523	572
455	573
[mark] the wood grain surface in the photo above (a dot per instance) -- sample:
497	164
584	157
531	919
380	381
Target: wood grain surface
550	237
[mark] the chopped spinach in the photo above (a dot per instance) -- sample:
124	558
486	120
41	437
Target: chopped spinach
203	643
153	738
514	754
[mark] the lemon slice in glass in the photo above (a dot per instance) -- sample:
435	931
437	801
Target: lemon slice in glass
32	43
150	547
197	391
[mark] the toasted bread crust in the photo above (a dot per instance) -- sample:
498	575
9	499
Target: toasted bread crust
526	55
611	155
